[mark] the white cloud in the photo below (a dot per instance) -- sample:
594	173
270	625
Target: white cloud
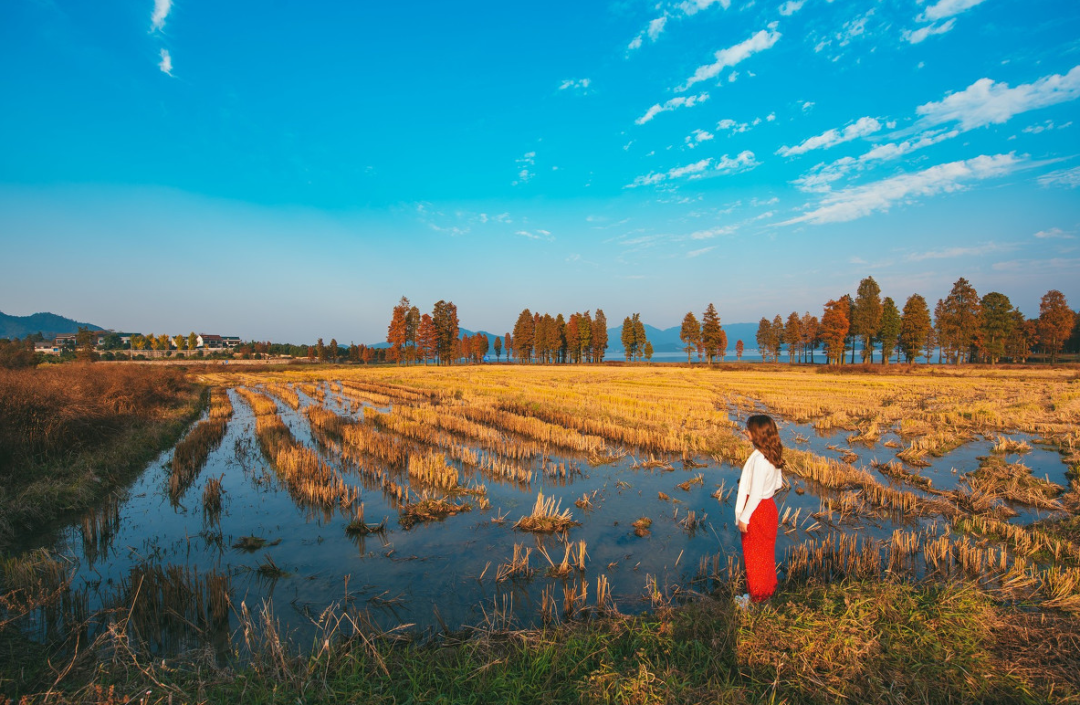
947	8
744	161
713	232
821	176
166	62
941	10
161	11
524	163
656	28
950	252
703	250
1044	126
692	7
1054	234
674	173
731	56
791	7
807	106
987	102
697	137
918	35
860	201
679	102
1069	178
578	85
830	138
537	235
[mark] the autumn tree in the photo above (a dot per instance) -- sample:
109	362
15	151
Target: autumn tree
834	330
180	341
764	330
1024	337
889	333
809	329
335	352
599	336
846	302
915	327
192	341
648	352
711	330
738	349
523	336
444	317
793	334
412	332
1056	321
427	338
163	341
397	333
866	314
629	343
498	349
958	321
639	335
995	326
320	350
508	343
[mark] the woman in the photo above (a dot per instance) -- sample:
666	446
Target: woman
755	510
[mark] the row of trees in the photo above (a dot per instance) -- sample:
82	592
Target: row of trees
543	338
707	338
963	328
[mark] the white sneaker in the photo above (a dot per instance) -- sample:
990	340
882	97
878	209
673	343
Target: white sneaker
743	601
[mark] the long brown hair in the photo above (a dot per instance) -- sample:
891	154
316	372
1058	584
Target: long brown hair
766	438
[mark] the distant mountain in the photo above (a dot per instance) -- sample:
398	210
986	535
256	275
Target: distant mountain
48	324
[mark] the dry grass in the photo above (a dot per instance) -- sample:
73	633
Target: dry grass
546	517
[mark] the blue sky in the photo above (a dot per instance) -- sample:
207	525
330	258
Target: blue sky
288	170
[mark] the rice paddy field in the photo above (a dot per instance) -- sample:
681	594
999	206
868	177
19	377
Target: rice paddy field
315	504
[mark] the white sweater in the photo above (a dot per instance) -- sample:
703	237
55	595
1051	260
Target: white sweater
760	480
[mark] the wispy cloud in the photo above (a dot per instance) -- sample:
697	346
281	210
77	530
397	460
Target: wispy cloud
733	55
1069	178
821	176
743	161
942	10
580	85
525	164
830	138
988	102
674	103
951	252
860	201
656	26
733	126
166	62
1054	234
791	7
917	36
697	137
674	173
543	235
157	17
947	8
712	232
697	253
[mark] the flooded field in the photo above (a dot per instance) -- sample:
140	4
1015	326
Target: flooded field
435	500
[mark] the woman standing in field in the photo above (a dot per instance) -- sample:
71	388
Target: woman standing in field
755	510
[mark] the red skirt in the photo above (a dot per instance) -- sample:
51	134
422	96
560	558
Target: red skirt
759	551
